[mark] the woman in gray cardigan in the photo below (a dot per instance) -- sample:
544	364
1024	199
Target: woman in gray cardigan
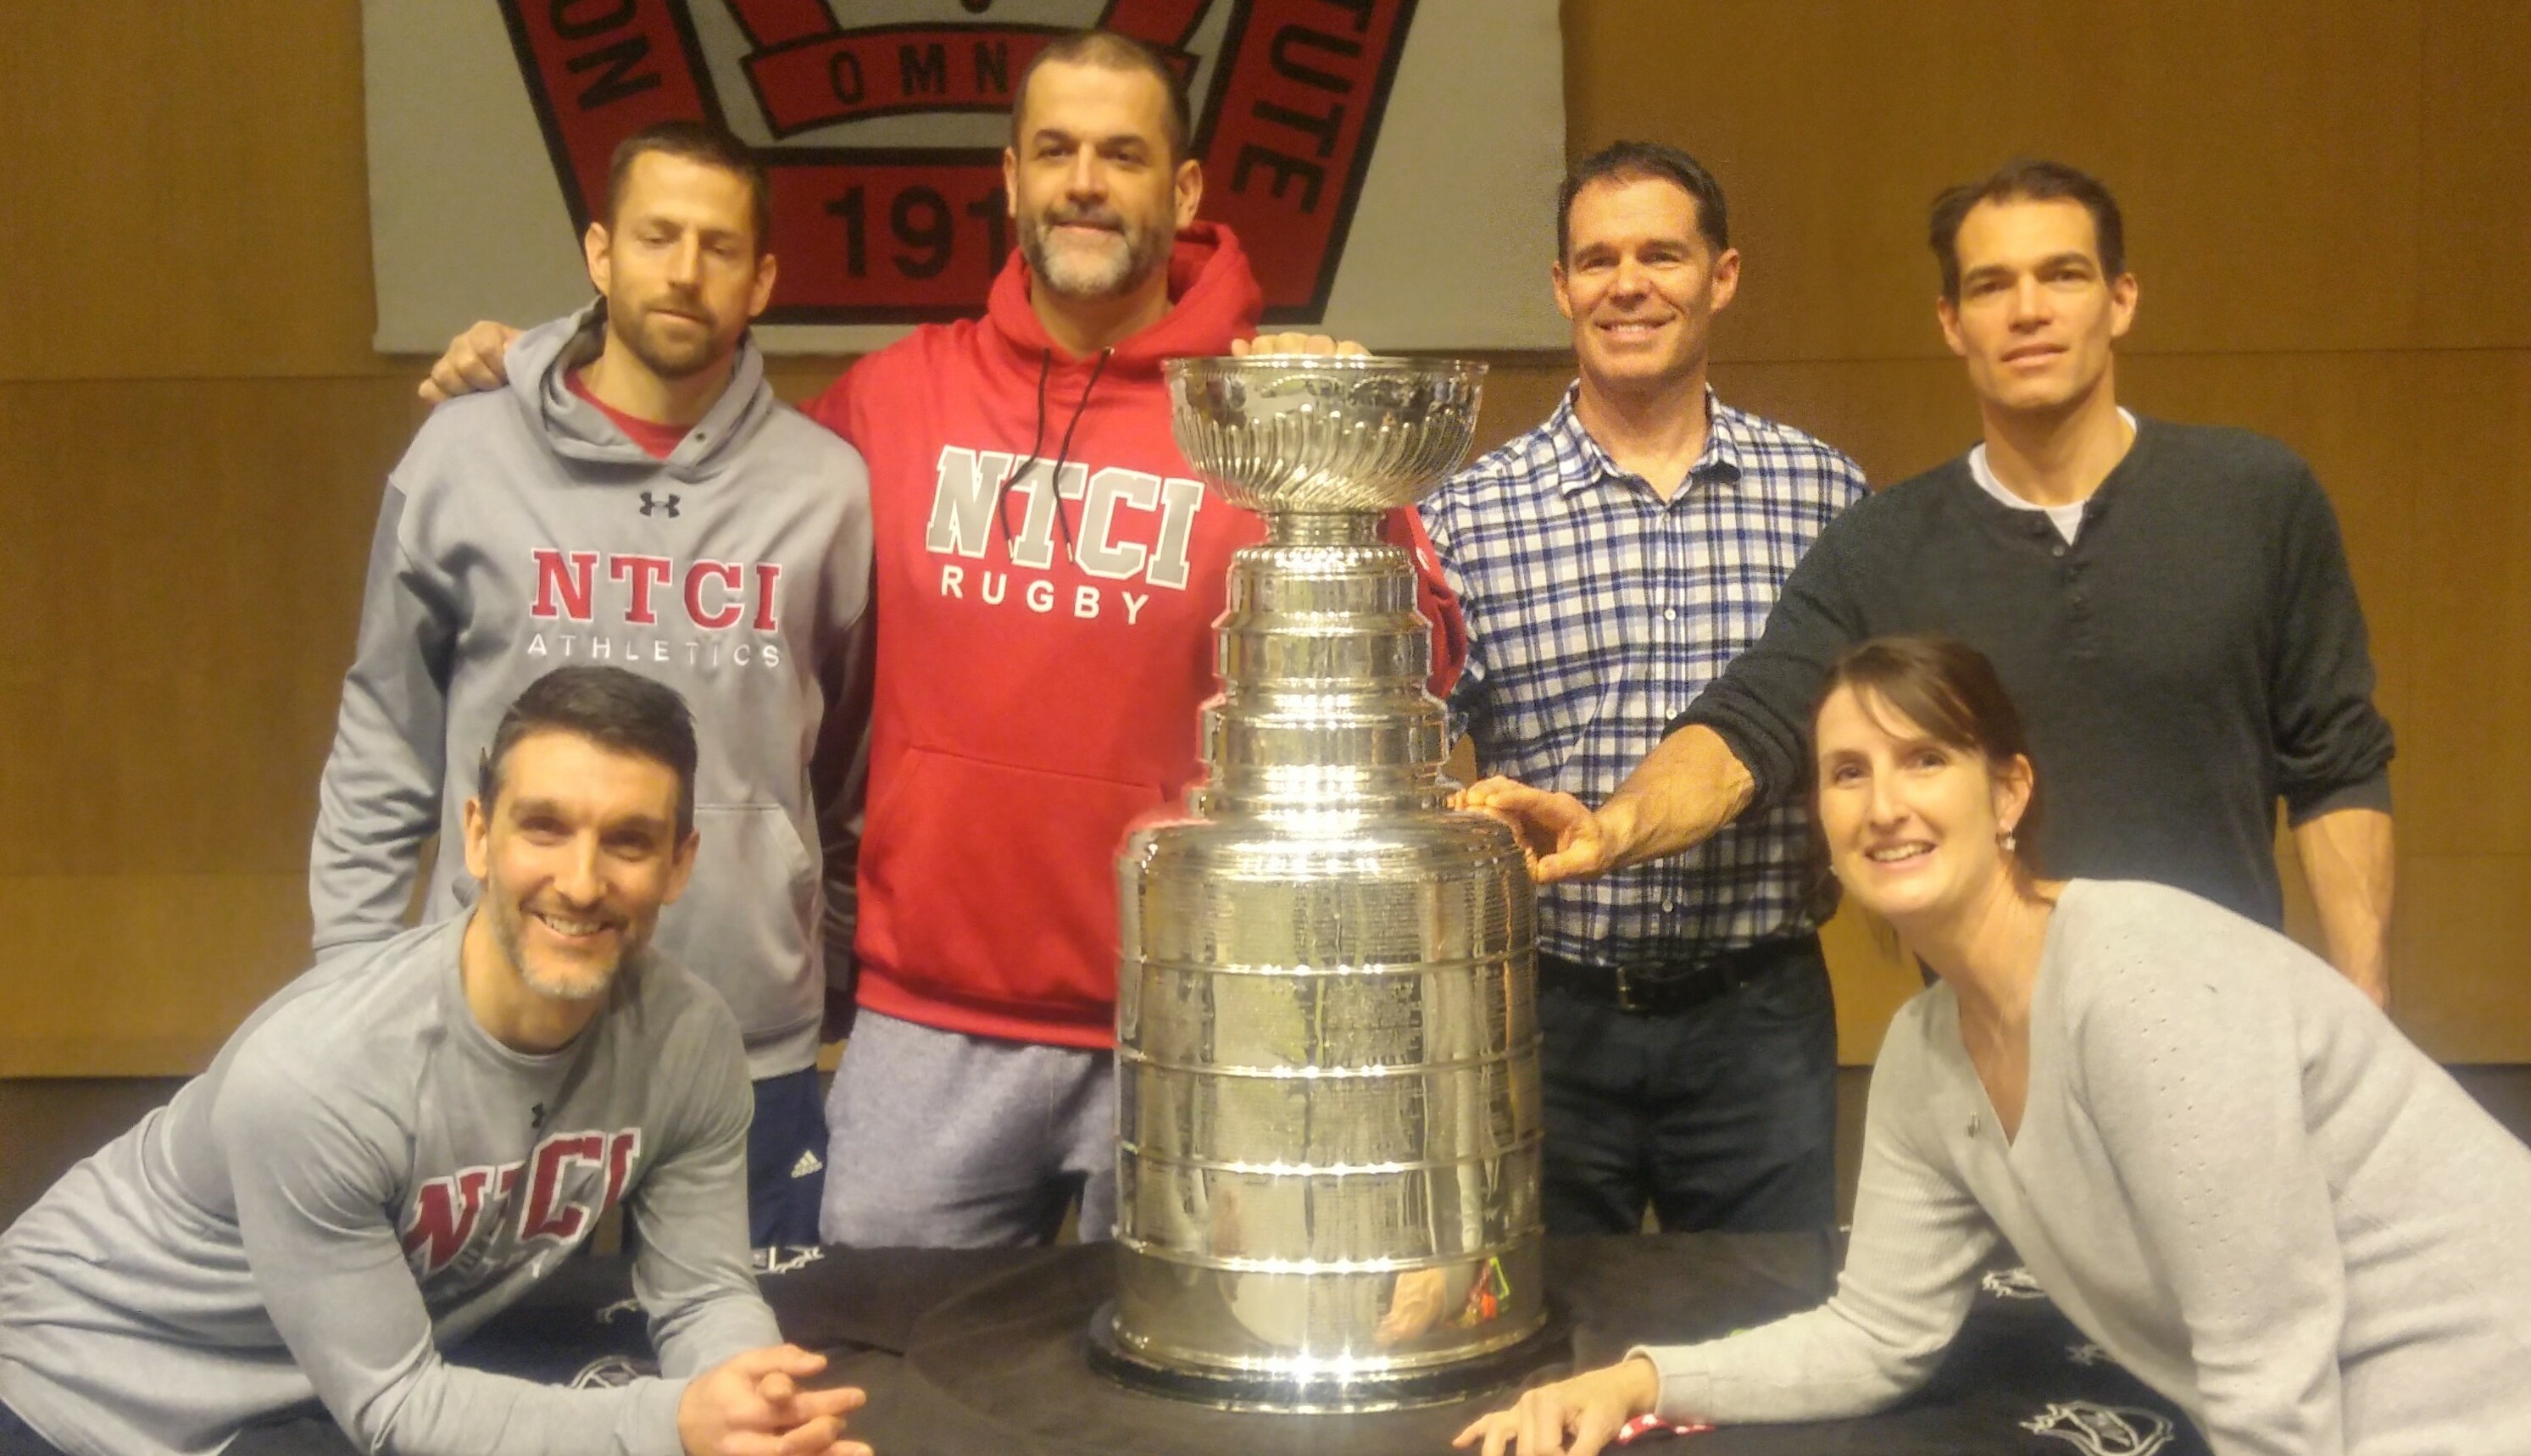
2214	1153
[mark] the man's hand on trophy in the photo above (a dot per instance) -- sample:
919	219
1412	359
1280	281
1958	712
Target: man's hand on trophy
472	364
1294	342
1559	836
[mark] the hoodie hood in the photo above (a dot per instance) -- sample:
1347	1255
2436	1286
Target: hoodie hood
1214	298
541	362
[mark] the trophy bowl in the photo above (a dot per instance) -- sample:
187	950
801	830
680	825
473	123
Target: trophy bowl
1318	433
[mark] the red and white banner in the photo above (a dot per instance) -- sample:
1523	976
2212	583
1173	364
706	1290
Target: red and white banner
1389	164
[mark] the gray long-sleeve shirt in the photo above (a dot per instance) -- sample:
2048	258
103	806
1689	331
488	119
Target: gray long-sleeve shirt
2232	1172
364	1176
522	532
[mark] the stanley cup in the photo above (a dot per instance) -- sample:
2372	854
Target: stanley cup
1329	1123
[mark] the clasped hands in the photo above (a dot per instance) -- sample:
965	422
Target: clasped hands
754	1405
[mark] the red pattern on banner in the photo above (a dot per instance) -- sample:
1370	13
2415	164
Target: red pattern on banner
600	77
1291	117
913	234
1166	23
889	70
914	237
772	22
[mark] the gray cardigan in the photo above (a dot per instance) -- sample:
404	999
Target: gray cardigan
2232	1172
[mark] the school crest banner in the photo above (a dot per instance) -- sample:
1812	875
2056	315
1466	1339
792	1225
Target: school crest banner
1390	165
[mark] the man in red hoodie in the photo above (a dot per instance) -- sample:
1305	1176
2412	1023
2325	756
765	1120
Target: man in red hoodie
1047	570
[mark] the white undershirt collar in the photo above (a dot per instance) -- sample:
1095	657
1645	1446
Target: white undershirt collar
2067	518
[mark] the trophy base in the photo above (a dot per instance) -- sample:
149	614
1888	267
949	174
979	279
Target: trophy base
1353	1394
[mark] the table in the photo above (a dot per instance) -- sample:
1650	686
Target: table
967	1351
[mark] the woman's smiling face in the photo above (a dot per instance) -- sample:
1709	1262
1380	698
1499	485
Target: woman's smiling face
1913	824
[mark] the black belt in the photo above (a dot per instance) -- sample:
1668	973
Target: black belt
1666	987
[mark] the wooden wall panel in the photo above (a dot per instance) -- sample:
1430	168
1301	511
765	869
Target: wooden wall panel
1897	416
187	191
183	578
2474	176
141	975
2465	744
2461	956
2235	135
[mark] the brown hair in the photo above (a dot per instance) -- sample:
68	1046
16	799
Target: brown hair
1949	690
2028	180
1110	51
704	145
1643	161
618	710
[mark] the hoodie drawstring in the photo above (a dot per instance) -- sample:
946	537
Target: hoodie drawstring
1001	497
1062	452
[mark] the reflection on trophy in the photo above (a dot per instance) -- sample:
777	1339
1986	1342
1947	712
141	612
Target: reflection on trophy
1328	1124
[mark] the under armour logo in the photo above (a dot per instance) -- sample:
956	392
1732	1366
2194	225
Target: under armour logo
650	504
537	1115
2102	1430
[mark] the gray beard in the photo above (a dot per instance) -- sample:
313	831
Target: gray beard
510	933
1109	280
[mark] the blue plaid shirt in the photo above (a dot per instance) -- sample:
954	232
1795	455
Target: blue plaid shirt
1595	612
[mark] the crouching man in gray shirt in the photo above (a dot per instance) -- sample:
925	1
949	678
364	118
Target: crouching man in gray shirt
404	1140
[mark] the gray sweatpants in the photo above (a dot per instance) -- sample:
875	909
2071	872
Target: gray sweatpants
944	1140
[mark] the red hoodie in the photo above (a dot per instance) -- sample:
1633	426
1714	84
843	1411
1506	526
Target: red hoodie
1032	699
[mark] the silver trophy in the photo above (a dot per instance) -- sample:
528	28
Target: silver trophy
1327	1039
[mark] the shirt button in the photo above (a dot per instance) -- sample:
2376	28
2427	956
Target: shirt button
1667	905
2057	549
1670	614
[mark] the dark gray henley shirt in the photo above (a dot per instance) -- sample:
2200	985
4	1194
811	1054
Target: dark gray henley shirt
2195	654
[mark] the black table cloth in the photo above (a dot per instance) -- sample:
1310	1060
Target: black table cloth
967	1351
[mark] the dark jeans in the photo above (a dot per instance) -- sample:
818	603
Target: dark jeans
1723	1116
786	1160
17	1438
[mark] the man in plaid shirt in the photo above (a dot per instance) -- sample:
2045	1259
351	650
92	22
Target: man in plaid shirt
1610	563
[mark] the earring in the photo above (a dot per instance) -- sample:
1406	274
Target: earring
2006	840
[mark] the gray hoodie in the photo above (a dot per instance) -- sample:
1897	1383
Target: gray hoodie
523	531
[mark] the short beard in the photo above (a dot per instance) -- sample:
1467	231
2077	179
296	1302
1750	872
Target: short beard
667	364
1113	276
510	932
